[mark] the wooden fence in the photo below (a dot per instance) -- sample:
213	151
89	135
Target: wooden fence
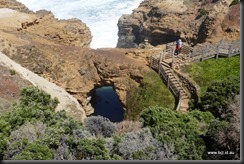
203	52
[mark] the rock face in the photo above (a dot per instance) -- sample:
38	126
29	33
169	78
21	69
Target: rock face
34	40
11	85
58	50
195	21
43	24
69	32
66	102
13	4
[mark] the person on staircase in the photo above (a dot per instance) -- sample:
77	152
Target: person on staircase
178	47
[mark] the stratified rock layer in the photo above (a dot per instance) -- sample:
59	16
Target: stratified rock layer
195	21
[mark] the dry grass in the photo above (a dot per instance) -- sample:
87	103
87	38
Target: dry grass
128	126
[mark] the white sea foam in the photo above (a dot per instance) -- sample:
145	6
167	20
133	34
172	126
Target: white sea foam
101	16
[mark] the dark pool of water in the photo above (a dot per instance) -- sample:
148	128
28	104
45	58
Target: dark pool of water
106	103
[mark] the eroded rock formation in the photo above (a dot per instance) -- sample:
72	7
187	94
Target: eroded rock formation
195	21
13	4
59	51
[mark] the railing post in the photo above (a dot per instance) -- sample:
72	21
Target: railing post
150	60
217	52
202	55
230	48
159	63
191	54
207	50
179	101
167	81
194	53
159	71
172	63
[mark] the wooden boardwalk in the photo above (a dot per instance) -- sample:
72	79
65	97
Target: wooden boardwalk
166	63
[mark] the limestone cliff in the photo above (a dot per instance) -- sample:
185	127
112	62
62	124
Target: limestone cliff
13	4
16	18
33	40
195	21
59	51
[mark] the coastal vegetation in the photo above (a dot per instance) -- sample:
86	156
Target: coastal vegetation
234	2
204	73
152	92
152	129
33	130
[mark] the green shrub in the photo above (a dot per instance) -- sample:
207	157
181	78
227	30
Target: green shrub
234	2
179	129
204	119
32	96
218	94
202	12
36	151
92	149
35	120
12	72
225	135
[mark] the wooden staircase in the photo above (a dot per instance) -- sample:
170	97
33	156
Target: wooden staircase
175	86
166	63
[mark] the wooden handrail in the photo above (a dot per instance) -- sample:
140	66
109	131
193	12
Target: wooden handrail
198	53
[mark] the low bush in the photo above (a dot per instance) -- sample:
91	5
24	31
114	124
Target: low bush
234	2
176	128
34	121
140	145
100	126
32	96
219	94
92	149
36	151
224	135
12	72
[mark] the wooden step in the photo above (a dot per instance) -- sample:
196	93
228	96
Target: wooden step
178	86
174	80
167	70
184	97
165	64
183	94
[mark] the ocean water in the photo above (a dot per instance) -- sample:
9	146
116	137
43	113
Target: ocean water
101	16
106	103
